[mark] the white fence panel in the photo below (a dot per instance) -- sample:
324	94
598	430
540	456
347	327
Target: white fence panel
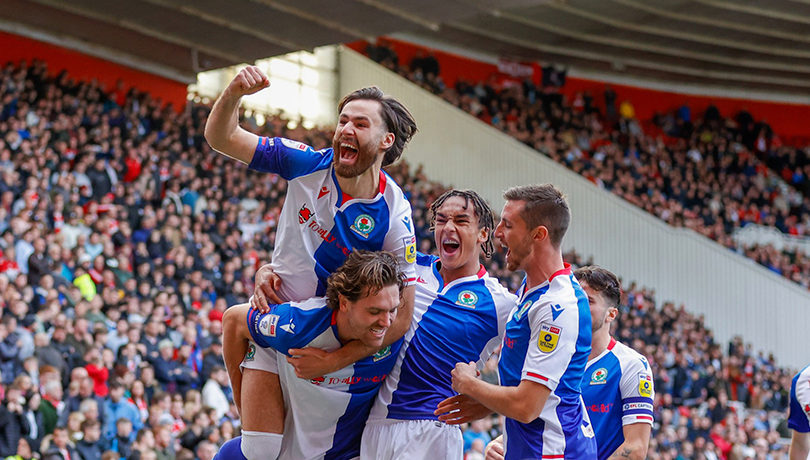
737	296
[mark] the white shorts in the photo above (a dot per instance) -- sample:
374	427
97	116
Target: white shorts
262	359
411	439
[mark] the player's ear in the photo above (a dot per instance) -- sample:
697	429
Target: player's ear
613	312
387	140
343	303
483	234
540	233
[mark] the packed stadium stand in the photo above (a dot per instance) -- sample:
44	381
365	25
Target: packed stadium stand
124	237
705	171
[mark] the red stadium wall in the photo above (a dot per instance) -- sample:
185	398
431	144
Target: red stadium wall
80	66
787	120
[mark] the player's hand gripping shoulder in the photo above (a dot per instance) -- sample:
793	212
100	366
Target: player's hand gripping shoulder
248	81
310	363
265	292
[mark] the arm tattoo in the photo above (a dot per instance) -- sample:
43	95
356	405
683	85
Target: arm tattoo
625	454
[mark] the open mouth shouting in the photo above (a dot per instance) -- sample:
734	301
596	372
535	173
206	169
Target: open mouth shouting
450	246
349	152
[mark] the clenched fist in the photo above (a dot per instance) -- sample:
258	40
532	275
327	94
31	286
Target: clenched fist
249	80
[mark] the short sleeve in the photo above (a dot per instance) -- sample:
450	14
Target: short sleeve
551	346
637	392
401	240
289	325
288	158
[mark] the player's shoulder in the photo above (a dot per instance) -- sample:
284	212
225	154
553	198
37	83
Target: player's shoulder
802	380
425	260
499	293
630	360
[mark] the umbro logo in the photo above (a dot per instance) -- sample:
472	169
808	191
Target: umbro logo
556	310
323	192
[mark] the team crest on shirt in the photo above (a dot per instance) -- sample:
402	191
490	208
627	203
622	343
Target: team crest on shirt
807	408
645	385
304	214
410	249
467	299
599	376
382	354
549	337
267	325
294	144
251	353
363	225
523	309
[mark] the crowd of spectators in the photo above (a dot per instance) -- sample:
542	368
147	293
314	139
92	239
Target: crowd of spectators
124	237
701	172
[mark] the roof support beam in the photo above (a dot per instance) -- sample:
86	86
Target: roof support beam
223	22
144	29
594	56
672	33
636	46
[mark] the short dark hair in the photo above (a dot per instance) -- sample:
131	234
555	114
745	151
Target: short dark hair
602	281
398	120
90	423
544	205
486	218
363	274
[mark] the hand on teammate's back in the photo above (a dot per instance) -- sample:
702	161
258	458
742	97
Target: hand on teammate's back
461	409
264	294
249	80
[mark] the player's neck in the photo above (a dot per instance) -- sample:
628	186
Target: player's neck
600	341
365	186
451	274
343	329
540	267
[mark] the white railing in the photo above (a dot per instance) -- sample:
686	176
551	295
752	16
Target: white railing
737	296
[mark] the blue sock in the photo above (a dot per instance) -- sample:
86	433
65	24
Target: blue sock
231	450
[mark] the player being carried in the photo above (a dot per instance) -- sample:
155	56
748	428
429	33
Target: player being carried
618	387
325	416
547	340
459	315
337	200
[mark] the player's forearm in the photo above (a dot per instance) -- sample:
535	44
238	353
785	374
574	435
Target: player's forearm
799	446
511	402
222	127
630	451
402	323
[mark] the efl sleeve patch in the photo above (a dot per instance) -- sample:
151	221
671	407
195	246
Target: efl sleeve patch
549	337
410	249
645	385
268	324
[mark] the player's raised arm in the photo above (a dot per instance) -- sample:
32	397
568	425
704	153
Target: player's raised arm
222	131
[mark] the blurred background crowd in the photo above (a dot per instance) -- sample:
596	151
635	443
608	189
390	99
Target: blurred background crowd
124	237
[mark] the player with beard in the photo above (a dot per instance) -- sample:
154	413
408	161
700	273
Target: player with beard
618	385
338	199
547	339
